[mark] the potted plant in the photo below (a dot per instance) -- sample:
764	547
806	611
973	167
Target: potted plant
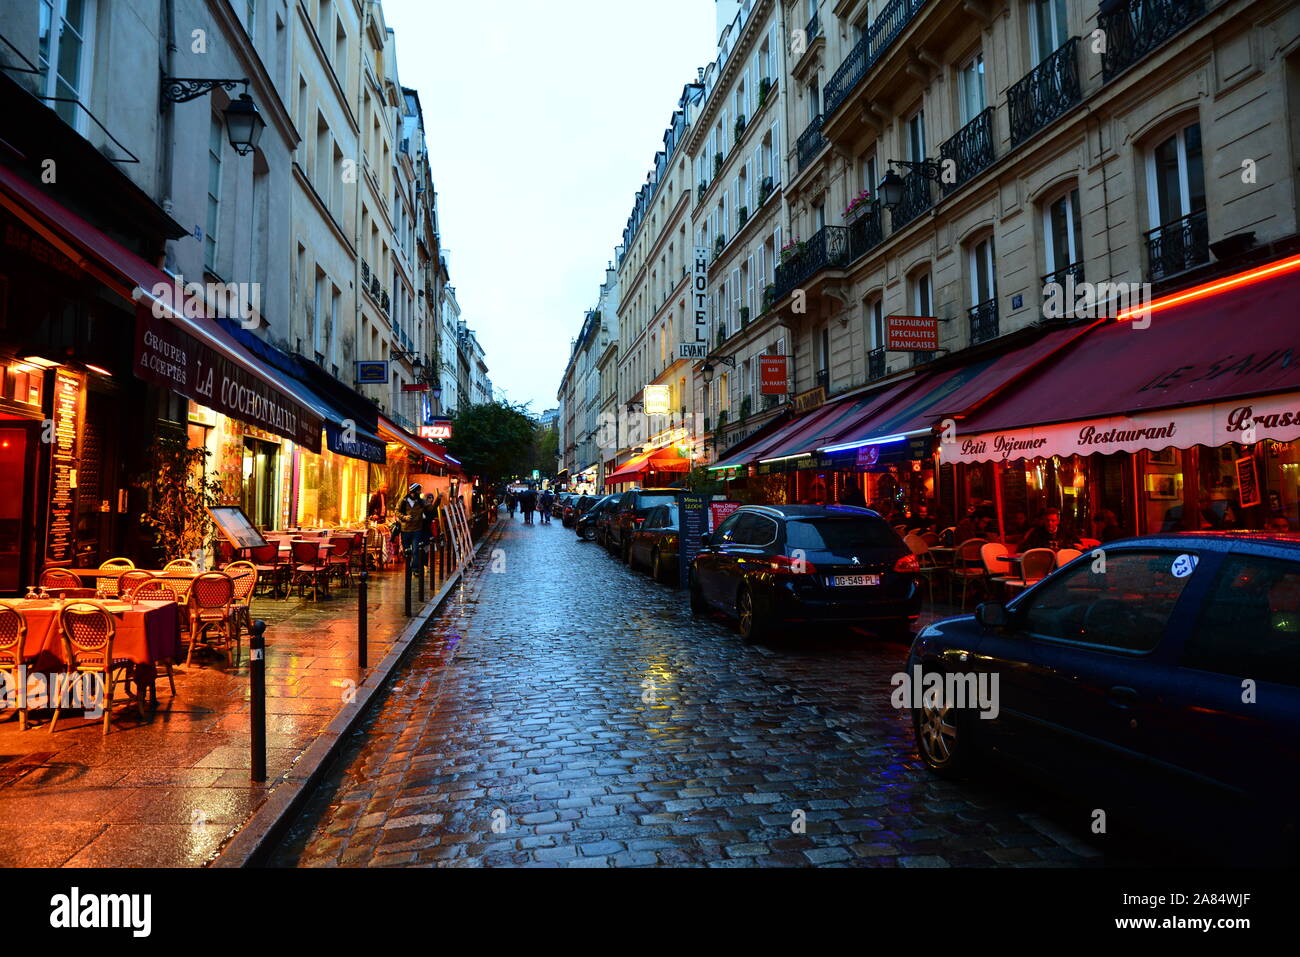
718	243
791	249
703	188
746	404
179	491
859	206
743	213
765	190
744	316
764	88
722	334
717	164
740	125
769	295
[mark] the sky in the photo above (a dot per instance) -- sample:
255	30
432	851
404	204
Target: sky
542	120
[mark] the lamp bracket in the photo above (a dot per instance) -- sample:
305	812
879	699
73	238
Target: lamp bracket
927	168
182	89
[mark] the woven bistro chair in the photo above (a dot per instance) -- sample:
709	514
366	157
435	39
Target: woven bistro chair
1035	565
339	560
108	584
927	568
180	565
117	563
88	631
130	581
156	589
212	596
244	575
13	632
967	567
58	578
308	567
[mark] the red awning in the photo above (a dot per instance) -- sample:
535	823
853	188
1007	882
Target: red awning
193	357
660	460
391	430
1217	345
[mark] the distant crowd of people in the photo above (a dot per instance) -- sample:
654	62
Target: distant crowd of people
529	502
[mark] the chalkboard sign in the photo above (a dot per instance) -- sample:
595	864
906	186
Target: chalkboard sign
693	508
236	527
1248	482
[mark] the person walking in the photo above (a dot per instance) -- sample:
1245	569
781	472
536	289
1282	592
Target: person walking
512	500
546	503
528	502
410	520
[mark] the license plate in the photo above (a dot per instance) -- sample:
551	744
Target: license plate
850	581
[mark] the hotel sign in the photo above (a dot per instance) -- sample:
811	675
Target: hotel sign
699	304
911	333
168	356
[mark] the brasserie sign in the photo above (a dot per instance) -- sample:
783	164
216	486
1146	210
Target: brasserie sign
170	357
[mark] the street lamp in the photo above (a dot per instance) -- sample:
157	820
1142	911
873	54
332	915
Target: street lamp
707	371
244	124
891	187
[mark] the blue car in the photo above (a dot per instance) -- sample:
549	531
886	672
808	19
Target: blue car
1164	669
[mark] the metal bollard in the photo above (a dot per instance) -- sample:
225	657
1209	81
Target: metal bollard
257	692
363	618
420	552
406	593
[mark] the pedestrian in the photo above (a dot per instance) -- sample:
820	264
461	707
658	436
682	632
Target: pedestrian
512	501
427	527
528	502
547	501
377	509
410	518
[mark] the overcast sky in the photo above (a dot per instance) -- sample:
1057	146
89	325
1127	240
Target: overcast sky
542	119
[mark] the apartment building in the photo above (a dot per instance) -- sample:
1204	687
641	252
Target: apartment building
583	442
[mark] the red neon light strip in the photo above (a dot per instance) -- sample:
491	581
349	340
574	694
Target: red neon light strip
1217	286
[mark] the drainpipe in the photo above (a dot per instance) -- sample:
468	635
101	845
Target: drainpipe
167	126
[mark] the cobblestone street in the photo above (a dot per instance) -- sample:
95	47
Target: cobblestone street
568	711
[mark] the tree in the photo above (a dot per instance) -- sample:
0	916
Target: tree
547	444
494	441
179	495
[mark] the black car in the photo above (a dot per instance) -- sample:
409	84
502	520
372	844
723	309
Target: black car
589	524
654	544
630	513
772	566
1164	670
575	507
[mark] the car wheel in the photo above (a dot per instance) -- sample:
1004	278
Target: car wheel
698	605
586	534
943	737
753	627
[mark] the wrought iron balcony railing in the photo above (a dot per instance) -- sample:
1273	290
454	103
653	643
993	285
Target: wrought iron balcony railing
876	363
983	321
970	149
1134	29
867	232
882	33
822	380
1074	270
921	358
813	29
828	247
810	142
1178	246
1047	92
916	199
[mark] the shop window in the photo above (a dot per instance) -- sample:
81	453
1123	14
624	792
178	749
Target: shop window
1124	608
1250	623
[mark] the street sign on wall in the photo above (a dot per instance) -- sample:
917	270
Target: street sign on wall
772	375
692	350
372	373
911	333
655	400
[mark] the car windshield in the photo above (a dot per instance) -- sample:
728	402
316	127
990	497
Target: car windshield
839	533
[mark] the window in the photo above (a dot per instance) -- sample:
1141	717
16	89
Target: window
1049	27
814	100
755	530
1125	609
983	278
64	56
870	180
213	221
1175	177
1063	232
971	89
921	294
876	322
1250	623
916	136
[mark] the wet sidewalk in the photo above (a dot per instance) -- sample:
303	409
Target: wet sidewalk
174	790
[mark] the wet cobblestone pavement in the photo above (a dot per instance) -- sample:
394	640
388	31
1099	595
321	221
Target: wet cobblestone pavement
568	711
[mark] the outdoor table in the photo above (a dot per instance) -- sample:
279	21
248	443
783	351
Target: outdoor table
146	633
943	553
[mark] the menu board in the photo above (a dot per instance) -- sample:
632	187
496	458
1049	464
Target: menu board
718	512
62	435
234	524
1248	482
693	507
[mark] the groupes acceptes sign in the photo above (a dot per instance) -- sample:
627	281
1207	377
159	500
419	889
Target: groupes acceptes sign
439	431
911	333
773	379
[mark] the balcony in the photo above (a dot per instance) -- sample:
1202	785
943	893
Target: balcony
915	201
867	232
810	142
1135	28
1178	246
880	36
828	247
1061	277
983	321
823	380
813	29
1047	92
970	149
876	363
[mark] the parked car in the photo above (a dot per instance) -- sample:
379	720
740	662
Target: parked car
630	513
772	566
557	504
1165	669
589	524
575	507
654	544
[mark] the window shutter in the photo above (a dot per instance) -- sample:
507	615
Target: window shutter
775	172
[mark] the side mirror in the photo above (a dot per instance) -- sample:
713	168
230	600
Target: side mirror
992	614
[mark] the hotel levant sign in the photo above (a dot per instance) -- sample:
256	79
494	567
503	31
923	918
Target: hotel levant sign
698	346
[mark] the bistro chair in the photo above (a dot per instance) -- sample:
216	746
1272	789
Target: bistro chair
13	632
930	538
132	580
308	567
929	568
339	560
1066	555
108	584
212	597
88	632
58	578
967	567
1035	565
156	589
244	576
117	563
266	560
180	565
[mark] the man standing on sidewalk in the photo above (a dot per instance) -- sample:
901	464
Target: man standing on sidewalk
545	503
410	522
528	503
